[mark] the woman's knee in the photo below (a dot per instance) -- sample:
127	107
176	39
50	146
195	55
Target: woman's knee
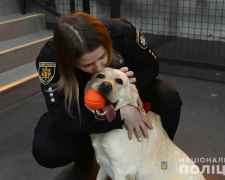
44	155
52	148
40	155
161	94
44	159
50	163
168	95
43	162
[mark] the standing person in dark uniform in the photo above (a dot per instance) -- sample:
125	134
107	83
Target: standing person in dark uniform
81	47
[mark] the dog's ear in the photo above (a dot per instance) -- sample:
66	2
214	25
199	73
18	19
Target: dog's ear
138	104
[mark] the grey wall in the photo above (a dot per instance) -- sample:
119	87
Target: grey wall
9	7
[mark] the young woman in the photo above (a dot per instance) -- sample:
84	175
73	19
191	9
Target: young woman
82	46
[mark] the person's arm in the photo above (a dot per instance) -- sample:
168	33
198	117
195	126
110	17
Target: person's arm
144	61
87	124
146	69
145	66
56	106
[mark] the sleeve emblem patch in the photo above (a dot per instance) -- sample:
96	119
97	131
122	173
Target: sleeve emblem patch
46	72
141	40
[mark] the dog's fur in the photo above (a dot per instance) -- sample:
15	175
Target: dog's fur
120	158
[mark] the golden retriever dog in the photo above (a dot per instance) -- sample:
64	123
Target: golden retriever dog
119	158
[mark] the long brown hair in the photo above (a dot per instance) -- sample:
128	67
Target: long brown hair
74	35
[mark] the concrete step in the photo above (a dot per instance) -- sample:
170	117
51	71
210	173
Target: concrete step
22	50
18	91
18	84
11	17
18	73
17	25
9	7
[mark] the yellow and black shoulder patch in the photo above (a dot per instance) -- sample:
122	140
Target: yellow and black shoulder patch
141	40
46	72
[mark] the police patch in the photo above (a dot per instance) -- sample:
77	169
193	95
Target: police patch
46	72
140	39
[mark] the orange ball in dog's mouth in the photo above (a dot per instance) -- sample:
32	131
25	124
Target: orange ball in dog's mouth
94	100
103	108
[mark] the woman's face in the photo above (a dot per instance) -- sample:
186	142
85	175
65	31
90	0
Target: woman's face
93	62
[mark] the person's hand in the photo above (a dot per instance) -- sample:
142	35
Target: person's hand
129	74
135	121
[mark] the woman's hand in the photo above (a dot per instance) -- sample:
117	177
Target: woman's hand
135	121
129	74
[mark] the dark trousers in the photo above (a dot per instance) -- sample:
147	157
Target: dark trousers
53	148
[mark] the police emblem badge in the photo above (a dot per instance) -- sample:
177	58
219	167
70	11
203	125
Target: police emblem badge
140	39
46	72
164	165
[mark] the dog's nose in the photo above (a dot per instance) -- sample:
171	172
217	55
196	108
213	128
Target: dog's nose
105	86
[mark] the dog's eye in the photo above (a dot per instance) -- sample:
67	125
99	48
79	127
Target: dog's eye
100	76
119	81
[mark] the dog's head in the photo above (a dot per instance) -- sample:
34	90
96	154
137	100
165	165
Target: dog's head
118	91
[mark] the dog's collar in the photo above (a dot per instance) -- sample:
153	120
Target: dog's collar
147	107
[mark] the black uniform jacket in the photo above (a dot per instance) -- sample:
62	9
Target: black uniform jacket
139	58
